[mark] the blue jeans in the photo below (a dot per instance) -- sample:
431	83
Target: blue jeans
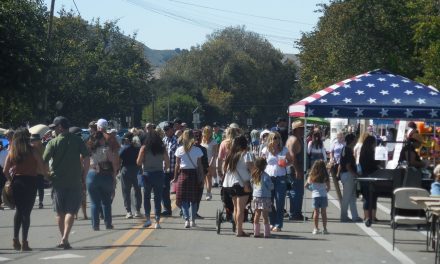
100	188
129	180
278	200
166	201
296	197
153	180
185	209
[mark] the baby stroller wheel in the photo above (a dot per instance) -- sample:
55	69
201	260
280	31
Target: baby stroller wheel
218	220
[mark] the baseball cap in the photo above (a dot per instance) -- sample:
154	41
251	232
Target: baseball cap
216	124
102	123
60	120
234	125
297	124
167	126
35	137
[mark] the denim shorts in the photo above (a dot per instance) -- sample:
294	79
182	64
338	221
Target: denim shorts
320	202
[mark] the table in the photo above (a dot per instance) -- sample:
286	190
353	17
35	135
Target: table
384	183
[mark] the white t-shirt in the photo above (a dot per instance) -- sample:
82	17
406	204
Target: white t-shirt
194	154
272	167
209	148
232	177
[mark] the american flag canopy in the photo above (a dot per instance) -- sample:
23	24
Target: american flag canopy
375	94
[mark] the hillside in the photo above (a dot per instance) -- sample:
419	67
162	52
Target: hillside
158	58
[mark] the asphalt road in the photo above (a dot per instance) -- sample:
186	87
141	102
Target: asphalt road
129	242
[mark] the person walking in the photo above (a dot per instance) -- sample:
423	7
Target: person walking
152	156
67	175
262	187
170	142
319	183
23	163
101	180
129	171
347	172
36	143
237	167
212	151
188	161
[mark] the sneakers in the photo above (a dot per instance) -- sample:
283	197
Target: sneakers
325	232
208	197
157	226
316	231
187	224
147	223
137	214
129	215
40	206
193	224
358	220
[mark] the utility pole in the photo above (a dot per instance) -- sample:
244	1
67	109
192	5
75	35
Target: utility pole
49	37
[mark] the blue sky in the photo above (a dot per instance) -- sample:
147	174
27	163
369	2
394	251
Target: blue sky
169	24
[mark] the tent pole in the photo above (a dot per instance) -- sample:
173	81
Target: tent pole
304	164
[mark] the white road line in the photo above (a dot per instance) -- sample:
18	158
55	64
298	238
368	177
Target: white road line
63	256
4	259
378	238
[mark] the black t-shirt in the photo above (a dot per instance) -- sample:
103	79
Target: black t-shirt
347	157
128	155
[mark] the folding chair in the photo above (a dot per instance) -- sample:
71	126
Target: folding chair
406	212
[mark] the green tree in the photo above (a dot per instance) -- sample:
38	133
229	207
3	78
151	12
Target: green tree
242	69
179	105
22	59
356	36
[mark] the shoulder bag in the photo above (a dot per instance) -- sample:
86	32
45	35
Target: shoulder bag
199	171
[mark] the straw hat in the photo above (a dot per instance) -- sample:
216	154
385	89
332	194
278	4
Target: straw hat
297	124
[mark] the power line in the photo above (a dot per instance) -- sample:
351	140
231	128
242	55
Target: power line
243	14
76	8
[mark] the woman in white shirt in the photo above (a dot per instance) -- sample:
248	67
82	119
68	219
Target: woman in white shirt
188	160
212	150
278	158
236	183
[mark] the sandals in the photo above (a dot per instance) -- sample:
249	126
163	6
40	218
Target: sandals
64	245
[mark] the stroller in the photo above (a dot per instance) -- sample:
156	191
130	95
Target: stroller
225	214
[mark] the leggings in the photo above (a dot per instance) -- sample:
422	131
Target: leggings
24	189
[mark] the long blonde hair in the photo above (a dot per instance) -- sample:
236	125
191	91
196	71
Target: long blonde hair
230	134
187	139
206	135
20	146
362	137
318	172
271	144
260	166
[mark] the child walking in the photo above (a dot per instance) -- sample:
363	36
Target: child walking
261	203
318	182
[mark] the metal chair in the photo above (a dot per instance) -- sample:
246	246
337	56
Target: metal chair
405	212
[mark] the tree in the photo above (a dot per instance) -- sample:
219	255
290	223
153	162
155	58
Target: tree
235	75
356	36
22	59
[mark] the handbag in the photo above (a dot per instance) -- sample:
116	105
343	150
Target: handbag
246	184
7	195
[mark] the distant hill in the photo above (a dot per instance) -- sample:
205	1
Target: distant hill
158	58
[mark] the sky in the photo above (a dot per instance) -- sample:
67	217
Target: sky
170	24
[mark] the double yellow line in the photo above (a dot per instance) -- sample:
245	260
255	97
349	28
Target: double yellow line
130	248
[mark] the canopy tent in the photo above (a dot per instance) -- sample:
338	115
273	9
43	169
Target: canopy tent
375	94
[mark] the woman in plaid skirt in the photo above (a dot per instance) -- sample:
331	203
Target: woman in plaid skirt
188	160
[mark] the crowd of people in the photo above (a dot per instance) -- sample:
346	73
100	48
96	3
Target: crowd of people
259	167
